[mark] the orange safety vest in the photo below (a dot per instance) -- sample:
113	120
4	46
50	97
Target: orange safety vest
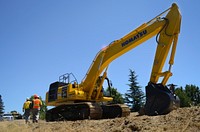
36	103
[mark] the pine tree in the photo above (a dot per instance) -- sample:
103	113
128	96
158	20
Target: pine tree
1	106
134	96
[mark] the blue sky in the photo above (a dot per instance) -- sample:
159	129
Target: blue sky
41	40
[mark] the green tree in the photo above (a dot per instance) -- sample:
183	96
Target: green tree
117	97
193	93
1	106
134	96
184	99
43	110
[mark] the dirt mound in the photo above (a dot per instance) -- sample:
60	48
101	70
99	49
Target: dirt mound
182	119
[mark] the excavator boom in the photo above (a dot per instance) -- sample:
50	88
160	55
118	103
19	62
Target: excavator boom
167	28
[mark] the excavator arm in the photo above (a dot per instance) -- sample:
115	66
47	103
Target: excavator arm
165	29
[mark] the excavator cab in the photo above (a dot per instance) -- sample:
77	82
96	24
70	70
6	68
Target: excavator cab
159	100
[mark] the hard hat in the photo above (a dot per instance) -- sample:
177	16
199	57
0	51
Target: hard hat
35	96
27	98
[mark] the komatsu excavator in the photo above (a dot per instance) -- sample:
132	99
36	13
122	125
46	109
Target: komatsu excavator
74	101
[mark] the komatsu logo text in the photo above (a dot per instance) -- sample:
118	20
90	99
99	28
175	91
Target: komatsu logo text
140	34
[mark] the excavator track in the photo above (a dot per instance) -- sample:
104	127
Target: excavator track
115	110
76	111
86	110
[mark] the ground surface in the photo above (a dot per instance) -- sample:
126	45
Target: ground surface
180	120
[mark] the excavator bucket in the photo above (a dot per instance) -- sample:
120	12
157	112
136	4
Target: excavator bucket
159	100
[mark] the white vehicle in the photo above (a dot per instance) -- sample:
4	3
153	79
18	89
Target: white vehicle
8	117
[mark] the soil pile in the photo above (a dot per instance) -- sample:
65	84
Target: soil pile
182	119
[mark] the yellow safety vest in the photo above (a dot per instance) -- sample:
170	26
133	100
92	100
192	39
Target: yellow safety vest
26	104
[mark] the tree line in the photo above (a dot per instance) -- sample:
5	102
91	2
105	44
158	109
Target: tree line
189	96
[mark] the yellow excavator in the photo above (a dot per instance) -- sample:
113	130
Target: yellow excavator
87	100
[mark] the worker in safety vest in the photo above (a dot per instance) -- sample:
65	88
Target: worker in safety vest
36	108
26	109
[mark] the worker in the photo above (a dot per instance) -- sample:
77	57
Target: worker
36	108
26	109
